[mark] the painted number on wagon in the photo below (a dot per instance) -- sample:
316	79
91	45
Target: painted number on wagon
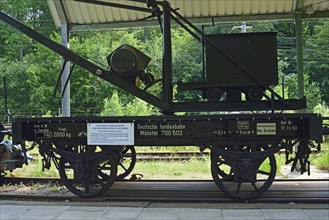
171	132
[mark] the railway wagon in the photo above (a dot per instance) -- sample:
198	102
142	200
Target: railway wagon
89	150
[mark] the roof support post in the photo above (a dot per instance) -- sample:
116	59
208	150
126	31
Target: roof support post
299	52
299	47
167	57
66	108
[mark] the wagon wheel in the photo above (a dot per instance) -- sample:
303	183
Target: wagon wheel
127	161
89	178
255	93
223	171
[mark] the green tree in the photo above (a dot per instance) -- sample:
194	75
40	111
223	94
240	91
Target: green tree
187	62
27	81
317	58
322	109
137	107
112	106
312	90
34	14
17	92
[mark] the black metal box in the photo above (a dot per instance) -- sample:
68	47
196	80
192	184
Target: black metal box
257	52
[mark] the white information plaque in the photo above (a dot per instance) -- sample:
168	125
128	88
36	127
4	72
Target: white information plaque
266	129
110	134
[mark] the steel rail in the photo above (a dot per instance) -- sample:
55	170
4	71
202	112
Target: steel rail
174	156
33	180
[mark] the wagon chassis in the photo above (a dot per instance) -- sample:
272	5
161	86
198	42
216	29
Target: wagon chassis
89	147
89	150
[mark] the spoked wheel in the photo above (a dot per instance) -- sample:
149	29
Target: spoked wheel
89	172
245	178
127	161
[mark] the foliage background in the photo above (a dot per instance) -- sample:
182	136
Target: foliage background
32	70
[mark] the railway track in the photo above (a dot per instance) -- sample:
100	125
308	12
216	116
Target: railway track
169	155
282	190
162	156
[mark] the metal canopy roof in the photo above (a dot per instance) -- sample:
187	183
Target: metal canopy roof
82	16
